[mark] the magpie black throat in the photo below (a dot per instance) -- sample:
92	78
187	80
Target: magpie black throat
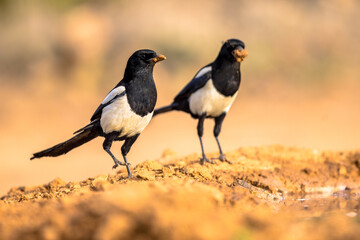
212	91
142	94
123	114
226	76
140	86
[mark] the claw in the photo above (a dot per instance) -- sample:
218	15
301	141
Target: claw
205	159
124	164
222	158
118	163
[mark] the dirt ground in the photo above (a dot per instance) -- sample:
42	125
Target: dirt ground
271	192
299	88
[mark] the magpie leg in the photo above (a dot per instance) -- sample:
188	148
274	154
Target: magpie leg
125	150
217	128
109	138
200	130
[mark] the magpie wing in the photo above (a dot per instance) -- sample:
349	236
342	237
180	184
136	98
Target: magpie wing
114	94
200	79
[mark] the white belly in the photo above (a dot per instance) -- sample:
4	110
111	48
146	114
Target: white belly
208	99
118	116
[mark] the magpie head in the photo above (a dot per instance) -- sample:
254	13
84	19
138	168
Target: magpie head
234	49
144	58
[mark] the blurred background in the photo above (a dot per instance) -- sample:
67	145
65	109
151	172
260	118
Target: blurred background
59	59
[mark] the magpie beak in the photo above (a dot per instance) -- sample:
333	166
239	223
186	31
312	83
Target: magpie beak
240	54
158	58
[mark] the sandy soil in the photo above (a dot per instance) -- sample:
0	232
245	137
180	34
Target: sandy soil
270	192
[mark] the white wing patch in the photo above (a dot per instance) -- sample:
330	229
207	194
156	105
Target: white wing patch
113	93
118	116
203	71
208	99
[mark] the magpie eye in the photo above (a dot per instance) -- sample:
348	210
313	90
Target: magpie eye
147	56
231	47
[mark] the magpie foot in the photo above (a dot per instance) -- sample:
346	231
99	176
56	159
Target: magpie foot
223	158
129	176
205	159
118	163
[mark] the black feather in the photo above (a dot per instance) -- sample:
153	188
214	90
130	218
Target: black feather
98	111
68	145
164	109
89	126
195	84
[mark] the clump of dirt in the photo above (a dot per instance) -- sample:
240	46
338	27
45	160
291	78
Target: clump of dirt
270	192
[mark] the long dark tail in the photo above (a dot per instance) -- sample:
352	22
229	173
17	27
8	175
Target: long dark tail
165	109
64	147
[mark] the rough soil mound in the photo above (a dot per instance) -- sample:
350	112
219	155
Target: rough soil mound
266	193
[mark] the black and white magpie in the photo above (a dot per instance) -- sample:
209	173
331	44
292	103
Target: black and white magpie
212	91
123	114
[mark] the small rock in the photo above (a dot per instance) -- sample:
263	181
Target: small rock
181	163
150	165
203	172
168	171
69	185
57	182
307	171
146	175
342	170
102	177
100	184
66	190
23	198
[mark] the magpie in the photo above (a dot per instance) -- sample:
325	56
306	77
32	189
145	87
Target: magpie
212	91
123	114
